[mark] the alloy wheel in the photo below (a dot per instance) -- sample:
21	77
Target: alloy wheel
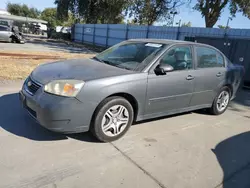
223	101
115	120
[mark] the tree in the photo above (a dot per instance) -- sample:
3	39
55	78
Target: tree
112	11
223	27
74	6
22	10
212	9
188	24
92	11
50	15
70	21
149	11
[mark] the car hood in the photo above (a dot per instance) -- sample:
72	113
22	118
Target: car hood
79	69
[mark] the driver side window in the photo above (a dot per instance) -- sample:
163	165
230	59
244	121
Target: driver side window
179	57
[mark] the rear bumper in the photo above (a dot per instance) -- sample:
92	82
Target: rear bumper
58	114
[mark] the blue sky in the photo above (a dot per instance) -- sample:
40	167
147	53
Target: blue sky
186	14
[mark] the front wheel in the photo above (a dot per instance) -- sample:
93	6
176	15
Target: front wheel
112	119
221	101
10	40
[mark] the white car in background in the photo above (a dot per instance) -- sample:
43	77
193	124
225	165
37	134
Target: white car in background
11	35
5	33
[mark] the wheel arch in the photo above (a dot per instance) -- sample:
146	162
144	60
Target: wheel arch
130	98
12	38
230	87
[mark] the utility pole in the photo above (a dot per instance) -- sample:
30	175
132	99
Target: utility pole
174	13
179	27
227	26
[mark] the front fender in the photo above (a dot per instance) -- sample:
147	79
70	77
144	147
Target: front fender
96	91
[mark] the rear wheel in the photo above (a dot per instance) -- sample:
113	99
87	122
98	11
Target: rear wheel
221	101
112	119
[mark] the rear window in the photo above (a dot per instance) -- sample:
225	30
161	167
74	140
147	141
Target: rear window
4	28
5	23
208	58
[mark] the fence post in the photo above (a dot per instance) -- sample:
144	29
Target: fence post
147	31
82	33
126	37
94	35
178	31
107	35
73	32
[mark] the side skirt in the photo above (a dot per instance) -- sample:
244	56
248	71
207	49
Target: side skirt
177	111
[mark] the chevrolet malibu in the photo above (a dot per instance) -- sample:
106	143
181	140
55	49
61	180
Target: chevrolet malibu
129	82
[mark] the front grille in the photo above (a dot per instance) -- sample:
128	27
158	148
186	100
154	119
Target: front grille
32	86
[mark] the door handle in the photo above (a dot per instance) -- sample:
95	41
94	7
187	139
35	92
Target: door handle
190	77
219	74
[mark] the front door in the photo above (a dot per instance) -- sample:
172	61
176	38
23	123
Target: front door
173	91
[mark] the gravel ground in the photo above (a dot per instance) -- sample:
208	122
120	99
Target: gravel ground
18	60
42	45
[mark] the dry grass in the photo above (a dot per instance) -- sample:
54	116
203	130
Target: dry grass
18	66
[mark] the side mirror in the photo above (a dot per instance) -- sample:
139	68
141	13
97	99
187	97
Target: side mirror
162	69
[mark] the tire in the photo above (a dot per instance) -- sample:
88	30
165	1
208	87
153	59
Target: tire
215	109
106	117
10	40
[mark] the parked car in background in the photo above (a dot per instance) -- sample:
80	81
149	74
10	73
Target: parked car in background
131	81
9	34
4	23
17	36
62	29
5	33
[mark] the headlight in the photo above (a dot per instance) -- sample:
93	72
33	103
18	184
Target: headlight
68	88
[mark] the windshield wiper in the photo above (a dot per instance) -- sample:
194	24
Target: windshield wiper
103	61
123	67
96	58
108	62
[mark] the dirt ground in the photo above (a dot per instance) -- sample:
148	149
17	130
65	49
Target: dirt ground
18	60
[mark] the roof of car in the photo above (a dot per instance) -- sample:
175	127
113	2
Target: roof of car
4	25
165	41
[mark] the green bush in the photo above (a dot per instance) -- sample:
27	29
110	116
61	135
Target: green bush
64	36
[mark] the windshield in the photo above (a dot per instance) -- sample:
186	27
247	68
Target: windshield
132	56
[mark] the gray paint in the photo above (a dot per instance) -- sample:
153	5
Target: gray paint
79	69
155	95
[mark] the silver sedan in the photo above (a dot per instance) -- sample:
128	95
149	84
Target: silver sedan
131	81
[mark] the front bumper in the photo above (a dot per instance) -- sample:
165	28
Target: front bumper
59	114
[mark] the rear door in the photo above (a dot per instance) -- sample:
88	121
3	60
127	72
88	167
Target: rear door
209	75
